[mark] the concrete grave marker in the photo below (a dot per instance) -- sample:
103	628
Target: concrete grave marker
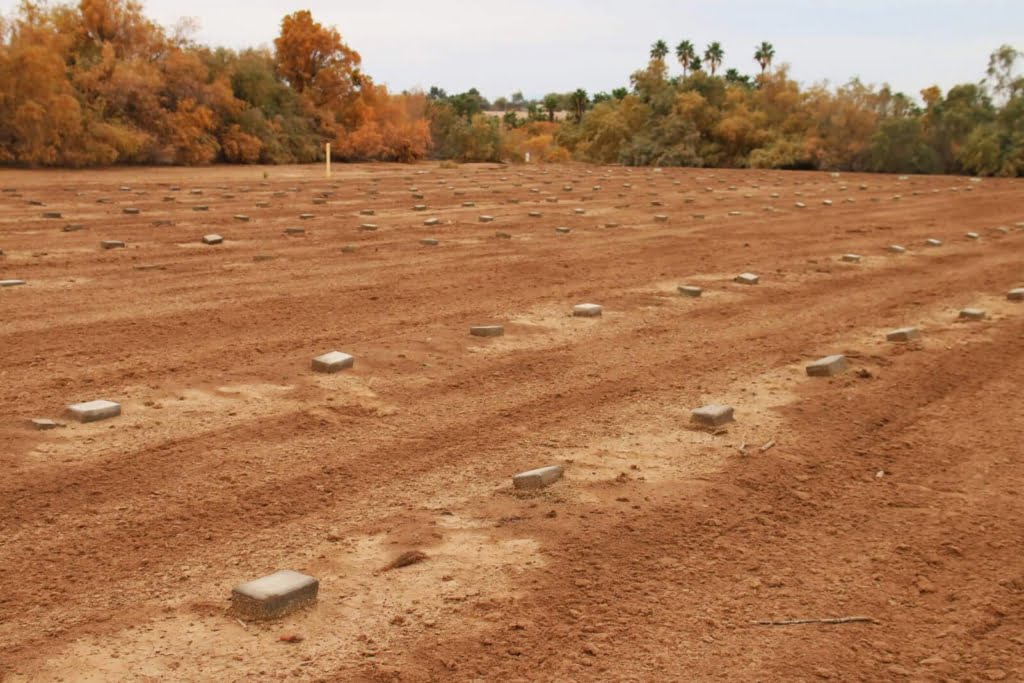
366	212
563	230
827	366
44	425
486	219
334	361
275	595
487	330
851	258
93	411
587	310
903	334
432	221
1016	294
112	244
11	283
368	227
747	279
661	218
896	249
295	231
712	415
972	314
73	227
429	242
503	235
690	291
305	216
213	239
241	218
131	210
52	214
973	236
932	242
538	478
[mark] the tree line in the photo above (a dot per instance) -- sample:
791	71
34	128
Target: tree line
97	83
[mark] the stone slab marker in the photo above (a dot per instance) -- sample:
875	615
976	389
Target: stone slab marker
972	314
275	595
112	244
747	279
213	239
1016	294
563	230
973	236
851	258
335	361
690	290
932	242
587	310
827	366
94	411
904	334
11	283
487	330
538	478
897	249
712	415
429	242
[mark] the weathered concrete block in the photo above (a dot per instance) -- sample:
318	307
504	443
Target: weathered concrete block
112	244
11	283
213	239
661	218
712	415
468	205
241	218
432	221
579	212
420	207
587	310
131	210
903	334
827	366
275	595
932	242
335	361
972	314
896	249
366	212
73	227
800	205
52	214
690	291
305	216
93	411
201	207
538	478
747	279
370	227
1016	294
295	231
563	230
487	330
429	242
535	214
973	236
851	258
486	219
44	425
503	235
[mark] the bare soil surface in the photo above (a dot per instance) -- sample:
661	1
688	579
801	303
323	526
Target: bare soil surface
893	491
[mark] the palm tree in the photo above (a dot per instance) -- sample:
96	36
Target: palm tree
685	53
763	56
578	103
659	50
714	56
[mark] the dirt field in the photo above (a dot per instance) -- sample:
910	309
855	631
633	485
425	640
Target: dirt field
892	491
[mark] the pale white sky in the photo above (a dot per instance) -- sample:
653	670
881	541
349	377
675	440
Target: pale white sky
539	46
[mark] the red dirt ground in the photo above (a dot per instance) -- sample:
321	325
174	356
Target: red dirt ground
893	491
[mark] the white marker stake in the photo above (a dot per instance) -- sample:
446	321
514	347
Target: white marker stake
327	159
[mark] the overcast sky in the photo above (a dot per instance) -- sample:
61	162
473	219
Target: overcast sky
539	46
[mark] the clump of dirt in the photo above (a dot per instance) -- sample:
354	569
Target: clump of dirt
408	558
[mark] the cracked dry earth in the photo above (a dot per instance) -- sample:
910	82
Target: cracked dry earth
892	491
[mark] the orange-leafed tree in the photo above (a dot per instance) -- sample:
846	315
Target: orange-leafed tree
313	59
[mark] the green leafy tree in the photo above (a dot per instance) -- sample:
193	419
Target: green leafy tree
578	102
552	103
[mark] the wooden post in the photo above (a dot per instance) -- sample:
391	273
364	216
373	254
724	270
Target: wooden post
328	159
